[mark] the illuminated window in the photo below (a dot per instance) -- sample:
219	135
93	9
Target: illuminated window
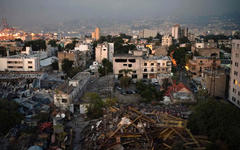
236	82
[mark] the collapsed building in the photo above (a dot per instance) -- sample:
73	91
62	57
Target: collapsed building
142	129
68	93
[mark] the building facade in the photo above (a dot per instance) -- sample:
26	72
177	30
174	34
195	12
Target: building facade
68	93
20	63
142	67
96	34
199	64
104	51
167	40
176	31
234	90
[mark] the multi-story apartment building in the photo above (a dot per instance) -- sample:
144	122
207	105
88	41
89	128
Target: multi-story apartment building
146	33
198	64
79	58
96	35
142	67
167	40
176	31
22	62
234	90
104	51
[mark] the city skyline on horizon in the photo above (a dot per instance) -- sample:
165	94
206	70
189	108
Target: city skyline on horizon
33	12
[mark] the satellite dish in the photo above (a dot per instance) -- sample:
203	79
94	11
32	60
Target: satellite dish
63	115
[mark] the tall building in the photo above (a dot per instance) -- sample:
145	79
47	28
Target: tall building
104	51
167	40
97	33
176	31
93	35
146	33
234	90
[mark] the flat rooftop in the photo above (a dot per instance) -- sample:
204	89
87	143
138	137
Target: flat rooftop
65	88
157	58
81	76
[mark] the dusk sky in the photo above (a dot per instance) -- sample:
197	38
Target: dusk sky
55	11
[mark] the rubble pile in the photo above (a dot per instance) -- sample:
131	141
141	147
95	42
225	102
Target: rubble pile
144	129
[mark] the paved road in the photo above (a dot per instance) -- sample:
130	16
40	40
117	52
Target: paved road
77	124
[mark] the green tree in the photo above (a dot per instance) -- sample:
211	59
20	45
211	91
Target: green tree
148	92
184	40
73	71
53	43
106	67
36	45
125	79
149	39
3	51
96	105
67	65
159	36
9	116
111	102
179	56
55	65
220	121
70	46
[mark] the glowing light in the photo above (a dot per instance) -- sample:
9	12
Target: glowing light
236	82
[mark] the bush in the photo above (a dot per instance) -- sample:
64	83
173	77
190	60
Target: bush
219	121
9	115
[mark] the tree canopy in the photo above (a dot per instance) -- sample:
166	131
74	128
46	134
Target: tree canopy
36	45
95	108
9	115
3	51
53	43
179	55
148	92
106	67
220	121
66	65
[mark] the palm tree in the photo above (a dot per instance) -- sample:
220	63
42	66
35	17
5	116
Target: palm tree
124	80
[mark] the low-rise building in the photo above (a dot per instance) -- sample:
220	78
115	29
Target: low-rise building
68	93
208	52
179	93
79	58
82	47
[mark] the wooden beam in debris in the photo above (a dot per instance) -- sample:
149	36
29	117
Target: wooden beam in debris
144	116
193	138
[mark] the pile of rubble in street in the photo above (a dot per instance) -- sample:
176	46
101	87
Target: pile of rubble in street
128	128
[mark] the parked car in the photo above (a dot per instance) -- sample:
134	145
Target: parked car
123	92
118	88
